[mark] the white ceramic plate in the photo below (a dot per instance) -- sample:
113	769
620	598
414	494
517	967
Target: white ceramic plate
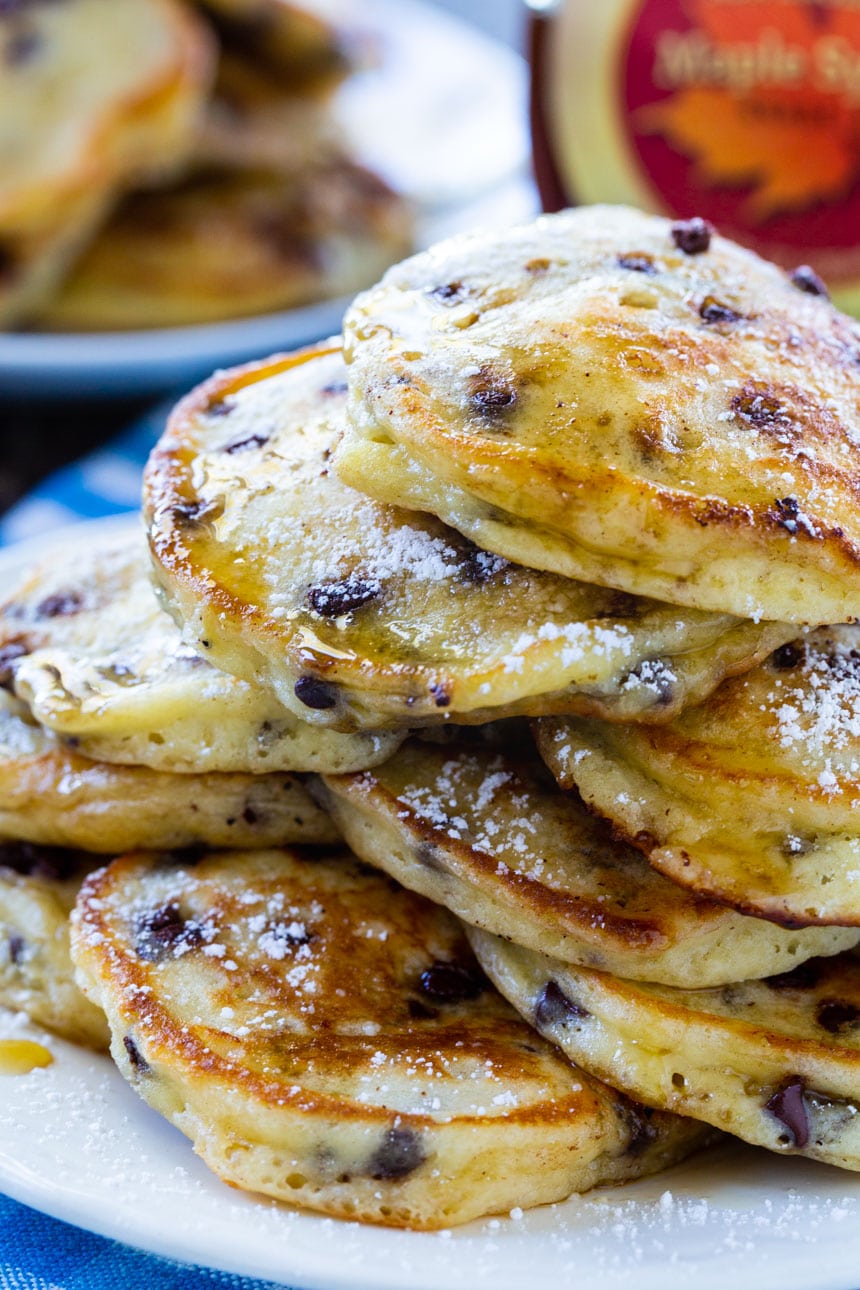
442	117
77	1143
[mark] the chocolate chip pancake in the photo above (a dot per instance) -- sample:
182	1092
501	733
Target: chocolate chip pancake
753	796
82	120
775	1062
489	835
598	394
359	615
84	643
231	243
325	1037
52	796
38	887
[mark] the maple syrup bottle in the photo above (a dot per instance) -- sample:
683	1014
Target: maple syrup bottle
746	112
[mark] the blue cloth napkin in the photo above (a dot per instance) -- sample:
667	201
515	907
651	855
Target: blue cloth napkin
36	1252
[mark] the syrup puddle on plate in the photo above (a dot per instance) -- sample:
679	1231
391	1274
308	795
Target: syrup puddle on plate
20	1056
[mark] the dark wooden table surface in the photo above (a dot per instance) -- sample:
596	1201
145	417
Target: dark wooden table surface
36	439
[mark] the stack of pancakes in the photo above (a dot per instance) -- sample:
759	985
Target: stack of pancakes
598	472
165	163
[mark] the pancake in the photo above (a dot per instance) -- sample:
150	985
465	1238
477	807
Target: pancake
751	798
85	645
81	119
489	835
230	244
326	1038
606	395
52	796
358	615
38	887
253	122
774	1062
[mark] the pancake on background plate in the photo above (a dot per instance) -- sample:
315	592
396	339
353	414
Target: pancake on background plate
325	1037
774	1062
489	835
624	400
752	797
358	615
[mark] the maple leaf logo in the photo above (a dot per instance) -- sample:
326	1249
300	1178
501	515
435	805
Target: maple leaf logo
794	144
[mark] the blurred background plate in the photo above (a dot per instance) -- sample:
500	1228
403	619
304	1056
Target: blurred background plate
457	145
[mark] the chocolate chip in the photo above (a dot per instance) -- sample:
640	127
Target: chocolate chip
789	1108
492	394
22	46
61	605
440	694
399	1153
554	1008
314	693
334	388
419	1011
8	261
344	596
135	1056
166	931
250	816
250	441
448	292
452	982
479	566
692	236
52	864
806	279
639	262
787	513
836	1015
9	655
712	310
642	1132
17	945
189	514
787	656
760	409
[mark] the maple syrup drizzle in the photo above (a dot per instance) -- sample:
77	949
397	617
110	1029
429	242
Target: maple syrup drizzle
20	1056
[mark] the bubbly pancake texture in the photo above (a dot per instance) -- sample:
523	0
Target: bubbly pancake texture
84	643
52	796
490	836
599	395
38	887
359	615
325	1037
81	117
229	244
751	797
774	1062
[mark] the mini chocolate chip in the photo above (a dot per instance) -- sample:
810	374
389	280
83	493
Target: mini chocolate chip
334	388
21	47
188	514
399	1153
789	1108
449	291
135	1056
787	513
52	864
692	236
9	655
760	409
787	656
250	441
642	1131
440	694
419	1011
314	693
331	599
553	1007
164	931
836	1015
492	394
806	279
639	262
250	816
452	982
220	408
803	977
17	946
712	310
8	262
60	605
479	566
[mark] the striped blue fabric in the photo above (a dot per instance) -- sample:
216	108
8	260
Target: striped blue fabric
36	1252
